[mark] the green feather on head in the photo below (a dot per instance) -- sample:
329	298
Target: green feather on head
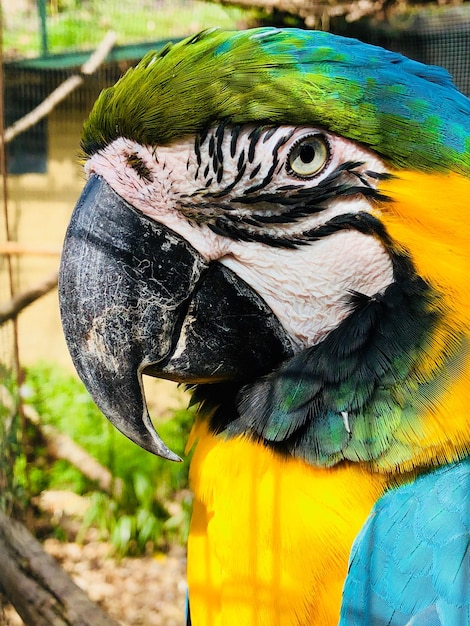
409	113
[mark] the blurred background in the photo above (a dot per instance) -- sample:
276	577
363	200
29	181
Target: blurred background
113	516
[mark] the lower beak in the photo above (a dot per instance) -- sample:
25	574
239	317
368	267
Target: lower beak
137	298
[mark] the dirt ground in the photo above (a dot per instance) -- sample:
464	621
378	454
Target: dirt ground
148	591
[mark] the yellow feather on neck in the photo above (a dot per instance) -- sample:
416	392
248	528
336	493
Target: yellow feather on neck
426	220
270	536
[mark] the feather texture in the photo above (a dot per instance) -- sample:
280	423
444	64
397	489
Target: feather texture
414	553
270	537
409	113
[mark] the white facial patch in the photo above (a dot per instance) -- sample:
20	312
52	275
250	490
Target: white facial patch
244	180
309	288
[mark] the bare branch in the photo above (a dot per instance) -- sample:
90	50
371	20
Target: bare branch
10	309
317	13
14	248
60	446
63	90
41	592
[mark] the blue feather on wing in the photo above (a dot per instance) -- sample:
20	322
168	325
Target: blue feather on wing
410	565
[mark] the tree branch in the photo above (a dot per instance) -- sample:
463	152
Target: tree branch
41	592
60	446
10	309
63	90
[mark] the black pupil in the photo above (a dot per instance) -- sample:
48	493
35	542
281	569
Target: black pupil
307	153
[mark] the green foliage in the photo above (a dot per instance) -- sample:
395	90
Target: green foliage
138	518
138	522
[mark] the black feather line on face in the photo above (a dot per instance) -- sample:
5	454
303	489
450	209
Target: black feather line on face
286	208
254	138
219	140
275	162
211	146
362	222
234	140
197	152
215	150
255	171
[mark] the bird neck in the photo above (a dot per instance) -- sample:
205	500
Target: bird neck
256	551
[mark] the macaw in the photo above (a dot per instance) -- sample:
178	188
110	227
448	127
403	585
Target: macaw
277	219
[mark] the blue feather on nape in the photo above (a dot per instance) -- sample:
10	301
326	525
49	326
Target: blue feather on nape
410	564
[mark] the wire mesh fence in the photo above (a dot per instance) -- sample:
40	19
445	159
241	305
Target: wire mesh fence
50	27
433	36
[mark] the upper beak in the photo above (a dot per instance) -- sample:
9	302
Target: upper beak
137	298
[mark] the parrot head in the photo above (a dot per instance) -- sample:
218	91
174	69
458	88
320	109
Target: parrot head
276	218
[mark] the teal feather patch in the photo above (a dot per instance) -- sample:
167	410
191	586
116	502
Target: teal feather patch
411	114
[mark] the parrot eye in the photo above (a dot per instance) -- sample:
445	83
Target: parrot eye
308	156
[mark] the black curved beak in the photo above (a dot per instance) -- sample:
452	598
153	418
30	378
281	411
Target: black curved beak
137	298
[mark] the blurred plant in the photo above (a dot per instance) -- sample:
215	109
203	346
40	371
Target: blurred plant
137	522
152	509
